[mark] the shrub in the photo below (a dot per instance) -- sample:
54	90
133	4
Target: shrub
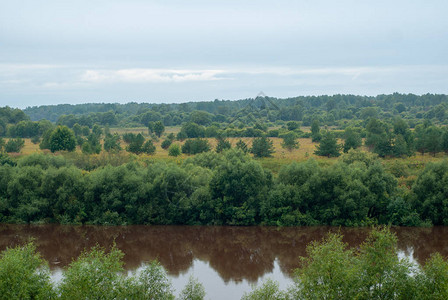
195	146
24	275
174	150
14	145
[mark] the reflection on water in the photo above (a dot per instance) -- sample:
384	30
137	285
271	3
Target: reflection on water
237	254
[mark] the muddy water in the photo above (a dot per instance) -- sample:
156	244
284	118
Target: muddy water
227	260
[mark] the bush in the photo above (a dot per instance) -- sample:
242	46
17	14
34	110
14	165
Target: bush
151	283
24	275
223	144
194	290
149	147
268	291
112	143
14	145
174	150
195	146
166	144
35	140
94	275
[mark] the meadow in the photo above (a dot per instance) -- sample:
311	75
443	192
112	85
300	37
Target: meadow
405	169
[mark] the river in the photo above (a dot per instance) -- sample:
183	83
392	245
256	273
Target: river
226	260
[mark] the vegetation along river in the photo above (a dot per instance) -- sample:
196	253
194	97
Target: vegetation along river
227	260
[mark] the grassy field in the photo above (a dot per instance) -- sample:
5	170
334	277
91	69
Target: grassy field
401	167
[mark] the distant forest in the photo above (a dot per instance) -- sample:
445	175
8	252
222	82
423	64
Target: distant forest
334	110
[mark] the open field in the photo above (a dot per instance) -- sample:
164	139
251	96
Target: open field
404	168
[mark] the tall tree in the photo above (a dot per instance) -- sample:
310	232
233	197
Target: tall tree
242	146
352	139
159	128
262	147
328	146
223	144
315	131
62	138
433	140
290	142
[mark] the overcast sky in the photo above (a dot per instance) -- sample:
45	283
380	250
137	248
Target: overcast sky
80	51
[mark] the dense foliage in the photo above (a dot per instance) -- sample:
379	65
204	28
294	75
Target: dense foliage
217	188
328	110
95	274
333	271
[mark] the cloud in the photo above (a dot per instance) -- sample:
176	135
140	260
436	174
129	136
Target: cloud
149	75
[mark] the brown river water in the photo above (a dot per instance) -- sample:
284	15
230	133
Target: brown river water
227	260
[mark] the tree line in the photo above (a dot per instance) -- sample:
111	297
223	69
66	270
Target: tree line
228	188
330	110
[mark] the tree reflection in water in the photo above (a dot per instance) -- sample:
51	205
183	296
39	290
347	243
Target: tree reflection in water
235	253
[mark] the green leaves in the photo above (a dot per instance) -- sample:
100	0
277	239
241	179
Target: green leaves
94	275
332	271
194	290
262	147
24	275
329	271
328	146
62	138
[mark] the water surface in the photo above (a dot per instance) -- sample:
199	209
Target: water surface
227	260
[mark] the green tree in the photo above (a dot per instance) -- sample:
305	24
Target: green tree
329	271
174	150
200	117
384	275
194	290
195	146
237	187
159	128
444	142
112	143
14	145
328	146
241	145
429	193
262	147
290	142
292	125
433	280
148	147
352	139
92	144
97	131
222	144
94	275
192	130
315	131
269	290
62	138
151	283
45	142
77	129
24	275
421	138
166	143
136	143
433	140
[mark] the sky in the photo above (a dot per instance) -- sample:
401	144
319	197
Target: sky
54	52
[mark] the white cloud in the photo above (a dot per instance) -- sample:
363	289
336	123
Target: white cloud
149	75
